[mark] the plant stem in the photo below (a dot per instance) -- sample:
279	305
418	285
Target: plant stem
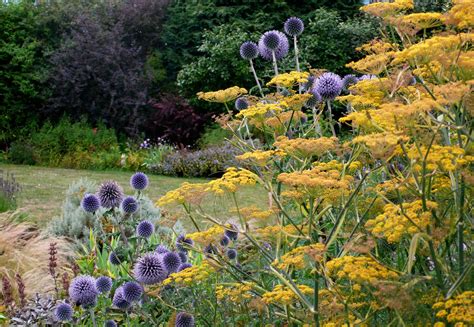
316	299
331	122
91	310
256	77
296	54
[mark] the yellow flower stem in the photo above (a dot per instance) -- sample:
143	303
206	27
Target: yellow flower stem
316	299
188	211
243	223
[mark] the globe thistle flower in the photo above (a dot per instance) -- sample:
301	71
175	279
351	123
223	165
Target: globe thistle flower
209	249
310	83
110	194
113	258
161	249
241	103
110	323
132	291
63	312
225	240
184	319
139	181
171	262
280	52
145	228
249	50
83	290
182	243
183	256
90	203
129	205
149	269
103	284
293	26
232	234
119	301
348	81
328	85
231	254
184	266
271	40
314	100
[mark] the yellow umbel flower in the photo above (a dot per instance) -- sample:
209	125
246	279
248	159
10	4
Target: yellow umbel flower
186	193
395	223
260	110
190	276
256	213
261	158
366	94
444	158
280	121
283	295
381	145
208	236
298	257
231	180
384	9
361	270
271	232
297	101
457	311
306	148
372	64
290	79
222	96
461	14
235	292
423	20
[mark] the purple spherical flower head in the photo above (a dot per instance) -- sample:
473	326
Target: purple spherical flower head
367	76
225	240
90	203
231	254
280	52
83	290
119	301
113	258
110	194
171	261
103	284
294	26
132	291
232	232
139	181
328	85
184	266
161	249
209	249
348	81
183	243
184	319
310	83
145	228
149	269
271	40
183	256
129	205
63	312
110	323
241	103
249	50
314	100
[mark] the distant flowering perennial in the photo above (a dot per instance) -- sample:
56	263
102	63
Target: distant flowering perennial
261	158
362	270
298	257
306	147
235	292
222	96
283	295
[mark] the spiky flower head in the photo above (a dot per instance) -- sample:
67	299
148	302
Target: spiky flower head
280	52
132	291
110	194
161	249
184	266
328	85
110	323
183	256
171	261
139	181
103	284
129	205
145	228
114	259
314	100
184	319
209	249
225	240
349	80
232	232
90	203
294	26
271	40
119	301
149	269
241	103
183	243
231	254
63	312
83	290
249	50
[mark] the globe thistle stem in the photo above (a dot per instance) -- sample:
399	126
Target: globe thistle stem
331	122
275	66
252	68
295	42
91	310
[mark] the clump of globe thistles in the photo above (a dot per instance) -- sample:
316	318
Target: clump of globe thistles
119	301
145	228
182	243
132	291
348	81
149	269
139	181
103	284
63	312
129	205
249	50
294	26
231	254
161	249
114	259
110	323
183	256
232	233
110	194
171	262
314	100
225	240
90	203
184	319
280	52
83	290
241	103
328	85
184	266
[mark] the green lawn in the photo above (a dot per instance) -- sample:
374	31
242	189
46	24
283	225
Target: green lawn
43	189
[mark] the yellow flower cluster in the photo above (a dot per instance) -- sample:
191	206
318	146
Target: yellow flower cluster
373	63
186	193
297	101
377	46
260	110
191	275
366	94
280	121
283	295
394	222
235	292
306	148
382	145
290	79
451	93
208	236
360	270
255	213
458	311
261	158
222	96
423	20
394	186
298	257
230	181
444	158
383	9
271	232
461	14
